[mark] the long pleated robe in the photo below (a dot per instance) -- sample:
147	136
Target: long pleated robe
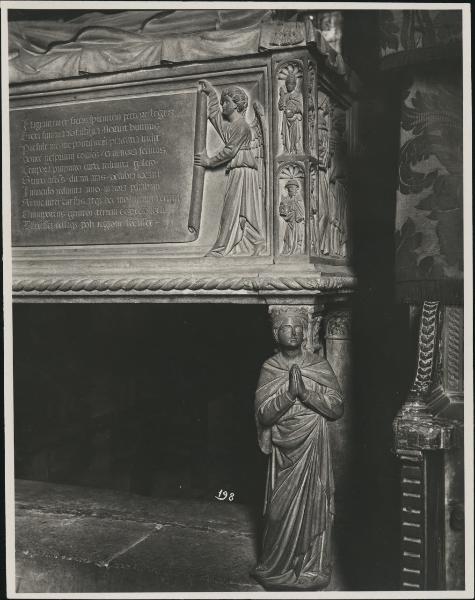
242	225
292	210
299	503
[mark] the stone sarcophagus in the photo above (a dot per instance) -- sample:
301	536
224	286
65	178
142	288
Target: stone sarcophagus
106	195
197	157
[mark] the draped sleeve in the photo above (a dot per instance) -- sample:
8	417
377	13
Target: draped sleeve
326	401
326	397
215	116
272	400
235	135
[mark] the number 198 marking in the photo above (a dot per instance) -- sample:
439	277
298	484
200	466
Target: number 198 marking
223	494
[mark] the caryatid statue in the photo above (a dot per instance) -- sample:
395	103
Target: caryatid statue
297	394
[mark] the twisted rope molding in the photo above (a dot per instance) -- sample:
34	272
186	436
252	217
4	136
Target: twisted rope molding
454	346
252	284
427	347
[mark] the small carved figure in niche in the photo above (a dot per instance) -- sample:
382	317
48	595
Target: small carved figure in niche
312	117
313	210
291	105
330	23
323	173
292	210
296	394
242	227
338	196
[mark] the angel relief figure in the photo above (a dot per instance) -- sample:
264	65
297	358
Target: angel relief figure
242	230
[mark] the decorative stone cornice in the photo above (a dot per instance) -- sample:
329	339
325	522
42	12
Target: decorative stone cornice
181	284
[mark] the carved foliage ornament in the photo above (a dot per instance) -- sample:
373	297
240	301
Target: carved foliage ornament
338	325
287	34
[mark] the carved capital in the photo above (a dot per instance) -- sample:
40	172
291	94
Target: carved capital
415	429
338	325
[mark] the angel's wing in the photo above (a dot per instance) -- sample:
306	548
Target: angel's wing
259	130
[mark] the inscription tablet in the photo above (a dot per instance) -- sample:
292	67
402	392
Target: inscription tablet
108	171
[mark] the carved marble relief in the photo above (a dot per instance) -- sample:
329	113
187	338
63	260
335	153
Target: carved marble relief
291	108
286	33
332	179
311	111
292	210
314	219
330	23
338	325
338	186
242	229
324	121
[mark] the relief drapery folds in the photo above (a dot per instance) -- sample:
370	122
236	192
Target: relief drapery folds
290	106
330	236
297	393
242	228
292	209
312	110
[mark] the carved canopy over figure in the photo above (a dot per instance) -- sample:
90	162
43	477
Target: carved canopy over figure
292	210
296	394
242	227
291	105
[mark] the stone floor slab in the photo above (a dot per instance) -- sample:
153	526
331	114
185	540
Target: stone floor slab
75	539
94	502
197	559
78	539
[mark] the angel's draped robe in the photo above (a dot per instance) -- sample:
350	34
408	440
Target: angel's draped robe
299	503
242	226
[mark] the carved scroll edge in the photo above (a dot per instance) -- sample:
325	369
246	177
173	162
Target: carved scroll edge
194	219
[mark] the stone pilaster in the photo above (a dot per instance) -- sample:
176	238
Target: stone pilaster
338	354
338	346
